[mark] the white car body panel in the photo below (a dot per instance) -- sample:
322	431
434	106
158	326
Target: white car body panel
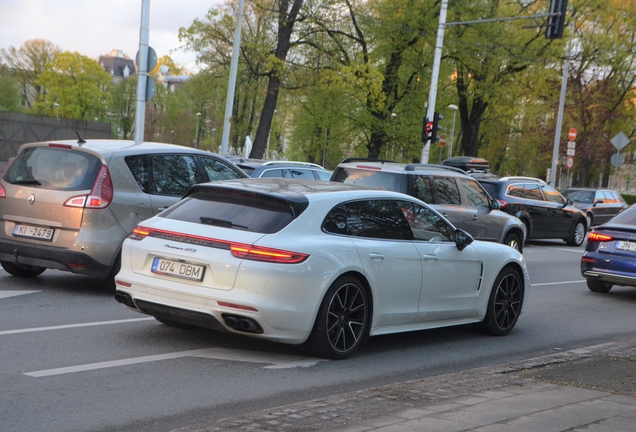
287	297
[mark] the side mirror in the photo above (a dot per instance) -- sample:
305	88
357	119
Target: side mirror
568	202
462	239
495	205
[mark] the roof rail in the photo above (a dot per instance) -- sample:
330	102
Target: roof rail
349	160
522	178
292	163
413	167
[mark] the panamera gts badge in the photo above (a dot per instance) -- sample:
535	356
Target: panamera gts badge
31	199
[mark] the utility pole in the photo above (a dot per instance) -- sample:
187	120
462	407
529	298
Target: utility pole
229	101
142	72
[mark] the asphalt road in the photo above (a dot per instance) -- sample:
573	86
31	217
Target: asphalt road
75	360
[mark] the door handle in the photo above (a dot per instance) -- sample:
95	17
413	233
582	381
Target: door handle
376	256
429	257
475	217
161	209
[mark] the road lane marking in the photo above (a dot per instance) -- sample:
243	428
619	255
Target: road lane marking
7	294
67	326
274	361
557	283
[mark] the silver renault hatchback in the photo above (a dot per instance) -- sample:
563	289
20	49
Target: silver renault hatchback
68	205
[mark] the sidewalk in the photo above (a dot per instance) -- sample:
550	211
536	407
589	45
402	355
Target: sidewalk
590	389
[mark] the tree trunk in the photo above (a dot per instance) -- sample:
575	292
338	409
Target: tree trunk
286	23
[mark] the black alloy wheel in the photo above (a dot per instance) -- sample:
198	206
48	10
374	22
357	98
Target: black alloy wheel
22	270
598	286
505	302
343	320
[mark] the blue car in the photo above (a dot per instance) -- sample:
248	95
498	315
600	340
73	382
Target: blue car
610	253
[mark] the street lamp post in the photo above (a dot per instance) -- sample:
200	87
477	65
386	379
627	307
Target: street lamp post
450	147
196	135
57	114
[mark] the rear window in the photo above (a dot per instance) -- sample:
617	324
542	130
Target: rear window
580	196
491	188
628	217
369	178
247	213
54	168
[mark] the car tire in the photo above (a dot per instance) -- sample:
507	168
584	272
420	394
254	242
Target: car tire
504	303
110	279
578	234
598	286
589	219
514	242
22	270
343	320
526	230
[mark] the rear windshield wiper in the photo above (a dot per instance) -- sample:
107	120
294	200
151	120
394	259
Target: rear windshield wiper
27	182
220	222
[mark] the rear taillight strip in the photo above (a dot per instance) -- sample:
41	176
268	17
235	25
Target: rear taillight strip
597	237
239	250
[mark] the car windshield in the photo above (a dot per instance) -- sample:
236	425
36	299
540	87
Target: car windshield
580	196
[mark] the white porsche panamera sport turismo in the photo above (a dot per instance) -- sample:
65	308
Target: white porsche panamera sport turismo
318	263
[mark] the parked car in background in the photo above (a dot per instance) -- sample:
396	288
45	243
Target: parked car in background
68	205
599	205
257	168
610	253
457	196
320	263
545	213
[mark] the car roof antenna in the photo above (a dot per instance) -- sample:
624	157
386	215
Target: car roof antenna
80	140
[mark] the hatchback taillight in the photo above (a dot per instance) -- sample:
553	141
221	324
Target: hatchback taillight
597	237
3	193
101	194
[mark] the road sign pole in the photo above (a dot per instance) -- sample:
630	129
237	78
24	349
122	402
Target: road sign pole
557	134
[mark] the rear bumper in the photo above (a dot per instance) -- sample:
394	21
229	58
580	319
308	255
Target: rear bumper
51	258
616	279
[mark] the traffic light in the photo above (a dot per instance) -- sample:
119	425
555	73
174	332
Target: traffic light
556	23
427	130
436	126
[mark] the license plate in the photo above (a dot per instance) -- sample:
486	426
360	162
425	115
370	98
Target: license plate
626	245
34	232
177	269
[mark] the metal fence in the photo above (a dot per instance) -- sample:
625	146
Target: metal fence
17	129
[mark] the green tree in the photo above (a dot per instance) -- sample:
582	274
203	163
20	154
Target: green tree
122	106
28	62
78	83
9	90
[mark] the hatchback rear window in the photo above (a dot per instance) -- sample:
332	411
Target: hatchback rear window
54	168
247	213
369	178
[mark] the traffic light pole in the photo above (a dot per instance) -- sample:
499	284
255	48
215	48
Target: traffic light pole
432	95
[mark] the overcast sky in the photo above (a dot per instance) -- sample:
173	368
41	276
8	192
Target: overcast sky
96	27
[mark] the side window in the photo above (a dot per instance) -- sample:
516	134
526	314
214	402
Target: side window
425	223
302	174
174	174
447	191
517	191
139	167
475	195
379	219
275	173
323	175
421	188
551	195
605	197
533	192
217	170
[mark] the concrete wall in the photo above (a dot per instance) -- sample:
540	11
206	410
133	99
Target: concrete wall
17	129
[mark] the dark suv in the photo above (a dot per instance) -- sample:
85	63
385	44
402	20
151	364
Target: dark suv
545	213
451	192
